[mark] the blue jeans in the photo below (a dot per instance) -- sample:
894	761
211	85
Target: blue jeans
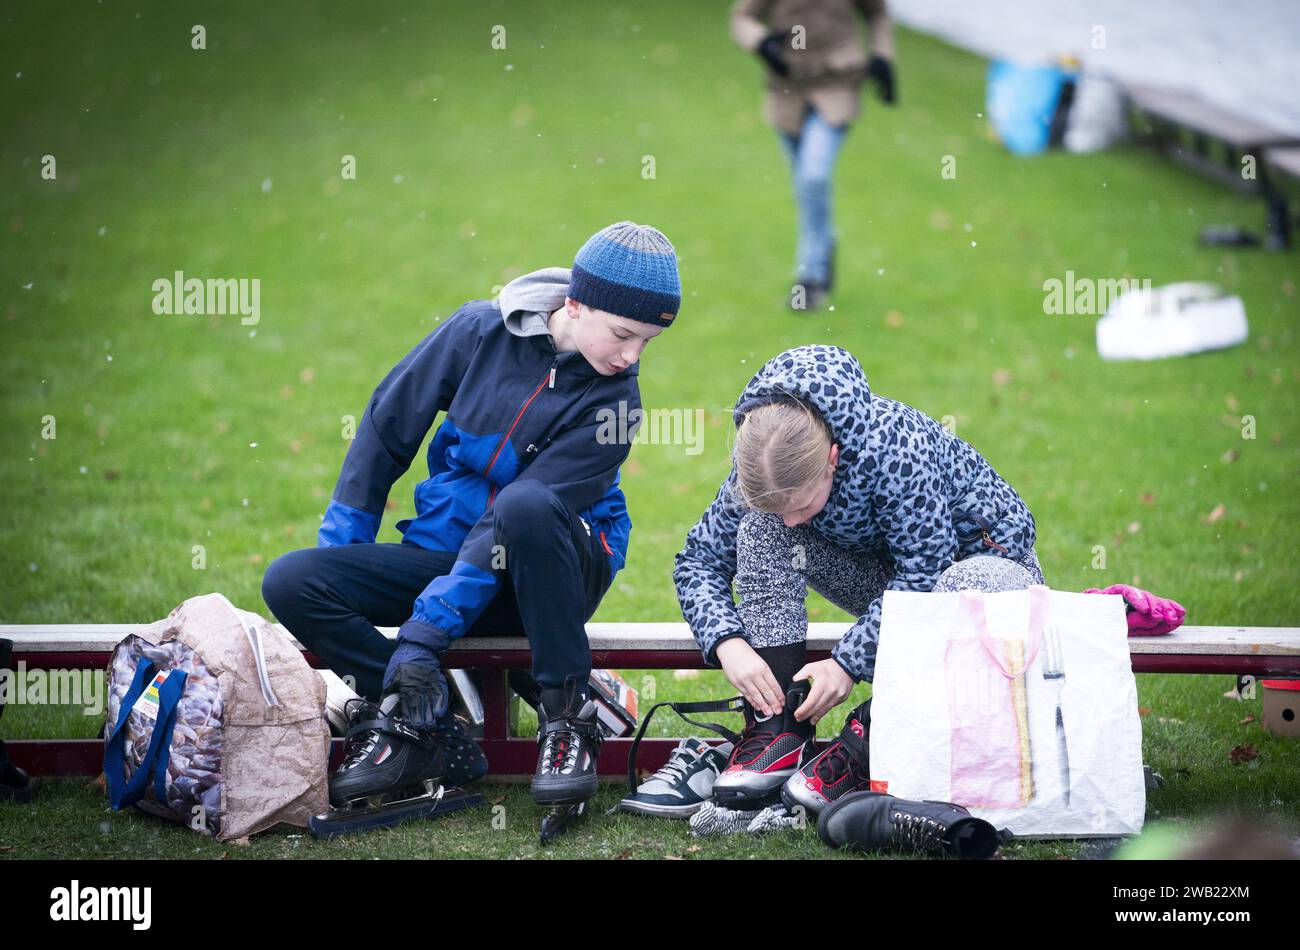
812	155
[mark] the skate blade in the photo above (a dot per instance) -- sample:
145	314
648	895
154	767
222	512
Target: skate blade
349	821
559	819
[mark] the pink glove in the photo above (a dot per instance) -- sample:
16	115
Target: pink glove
1148	615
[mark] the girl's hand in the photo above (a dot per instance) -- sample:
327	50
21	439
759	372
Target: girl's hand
751	675
830	687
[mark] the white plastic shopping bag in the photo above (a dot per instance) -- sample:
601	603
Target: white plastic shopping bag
1020	705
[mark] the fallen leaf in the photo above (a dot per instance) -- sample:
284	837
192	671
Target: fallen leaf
112	474
694	849
1247	721
673	857
1144	710
1243	753
893	319
1230	456
1215	515
1147	498
1231	400
623	855
633	467
390	505
239	842
1134	527
306	374
286	391
1238	576
1001	377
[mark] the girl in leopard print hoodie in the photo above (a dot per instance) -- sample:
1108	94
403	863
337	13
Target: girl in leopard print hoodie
851	494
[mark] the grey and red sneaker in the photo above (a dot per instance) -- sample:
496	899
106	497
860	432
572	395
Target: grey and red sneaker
770	750
840	768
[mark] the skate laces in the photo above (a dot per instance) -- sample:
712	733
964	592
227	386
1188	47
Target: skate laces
560	751
358	746
753	741
836	762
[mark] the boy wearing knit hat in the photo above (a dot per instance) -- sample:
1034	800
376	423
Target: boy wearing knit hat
519	528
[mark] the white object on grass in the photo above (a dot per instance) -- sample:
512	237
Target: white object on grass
1174	320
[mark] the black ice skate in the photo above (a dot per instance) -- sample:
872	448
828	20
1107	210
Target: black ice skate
390	772
569	737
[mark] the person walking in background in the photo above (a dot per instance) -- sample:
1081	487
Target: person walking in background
815	62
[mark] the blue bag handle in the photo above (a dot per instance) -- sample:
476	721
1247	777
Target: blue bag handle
120	792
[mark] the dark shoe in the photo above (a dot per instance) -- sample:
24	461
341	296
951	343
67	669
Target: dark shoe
770	750
15	786
839	770
874	821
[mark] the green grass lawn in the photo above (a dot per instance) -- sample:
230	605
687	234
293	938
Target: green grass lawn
475	165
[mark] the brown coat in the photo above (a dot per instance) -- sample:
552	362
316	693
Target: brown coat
827	56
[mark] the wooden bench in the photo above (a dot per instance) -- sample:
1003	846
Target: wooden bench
1166	114
1235	651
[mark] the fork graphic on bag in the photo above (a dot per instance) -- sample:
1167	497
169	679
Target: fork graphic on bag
1054	671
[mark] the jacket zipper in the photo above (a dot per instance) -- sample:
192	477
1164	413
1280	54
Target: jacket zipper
549	378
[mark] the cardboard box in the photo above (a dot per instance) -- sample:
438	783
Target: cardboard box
1281	707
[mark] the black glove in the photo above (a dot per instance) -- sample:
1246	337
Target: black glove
421	691
881	72
770	49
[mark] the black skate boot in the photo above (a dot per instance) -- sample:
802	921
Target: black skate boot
384	756
569	737
769	752
837	771
871	821
391	770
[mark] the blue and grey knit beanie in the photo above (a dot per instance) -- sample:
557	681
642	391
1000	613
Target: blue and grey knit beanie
629	270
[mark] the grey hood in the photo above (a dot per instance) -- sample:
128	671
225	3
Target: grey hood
527	301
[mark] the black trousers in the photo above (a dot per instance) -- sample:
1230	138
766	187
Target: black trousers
332	599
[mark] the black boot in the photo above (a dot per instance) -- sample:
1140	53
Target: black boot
873	821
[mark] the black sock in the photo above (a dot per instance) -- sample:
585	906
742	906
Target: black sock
785	661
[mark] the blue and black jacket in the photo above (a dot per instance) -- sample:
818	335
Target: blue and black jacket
515	409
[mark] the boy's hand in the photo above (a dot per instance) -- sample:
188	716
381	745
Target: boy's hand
830	687
751	675
881	72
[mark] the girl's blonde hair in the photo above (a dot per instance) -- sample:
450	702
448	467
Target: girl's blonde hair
781	449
